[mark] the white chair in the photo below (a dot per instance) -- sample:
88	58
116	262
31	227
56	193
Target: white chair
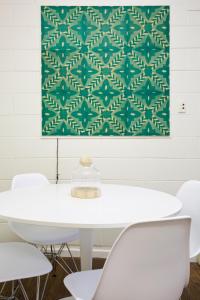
189	194
149	260
46	236
20	261
7	235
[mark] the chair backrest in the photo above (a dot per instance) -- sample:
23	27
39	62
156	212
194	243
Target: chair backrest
29	232
149	260
7	235
28	179
189	194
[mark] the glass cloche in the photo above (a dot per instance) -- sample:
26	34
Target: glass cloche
85	182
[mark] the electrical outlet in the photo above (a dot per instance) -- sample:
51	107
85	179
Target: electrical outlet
182	107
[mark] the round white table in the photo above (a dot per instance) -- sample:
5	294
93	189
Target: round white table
118	206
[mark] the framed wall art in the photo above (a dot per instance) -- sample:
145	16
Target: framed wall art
105	70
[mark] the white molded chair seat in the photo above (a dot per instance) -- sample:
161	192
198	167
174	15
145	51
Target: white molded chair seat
43	235
189	195
28	180
83	284
149	260
20	260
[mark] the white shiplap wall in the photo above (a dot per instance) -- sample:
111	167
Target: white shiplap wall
160	163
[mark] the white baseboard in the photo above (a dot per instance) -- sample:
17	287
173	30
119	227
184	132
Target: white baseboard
100	252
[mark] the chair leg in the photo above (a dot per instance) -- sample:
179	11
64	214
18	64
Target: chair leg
75	265
38	288
23	290
13	292
55	257
44	287
2	288
63	265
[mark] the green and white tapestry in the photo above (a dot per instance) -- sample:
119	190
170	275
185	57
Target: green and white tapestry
105	70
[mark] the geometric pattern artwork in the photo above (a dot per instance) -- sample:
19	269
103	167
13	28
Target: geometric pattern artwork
105	70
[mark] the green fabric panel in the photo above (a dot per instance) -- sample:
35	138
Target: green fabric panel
105	70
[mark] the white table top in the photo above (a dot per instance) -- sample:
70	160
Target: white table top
116	208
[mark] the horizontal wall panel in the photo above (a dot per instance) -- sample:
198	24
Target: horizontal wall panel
26	17
7	148
6	170
185	59
6	104
178	14
185	82
5	184
185	37
18	2
193	5
19	126
24	82
46	166
6	126
26	37
6	60
194	16
26	60
34	148
139	169
191	101
27	104
5	14
150	169
6	34
20	37
27	148
28	126
119	148
184	126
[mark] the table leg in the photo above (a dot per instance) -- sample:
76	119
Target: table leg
86	245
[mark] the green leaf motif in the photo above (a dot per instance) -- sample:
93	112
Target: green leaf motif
127	114
106	50
47	71
148	49
84	28
127	27
148	92
84	114
106	93
84	72
127	71
62	92
105	11
62	49
47	27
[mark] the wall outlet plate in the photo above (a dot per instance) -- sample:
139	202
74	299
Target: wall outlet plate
182	107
